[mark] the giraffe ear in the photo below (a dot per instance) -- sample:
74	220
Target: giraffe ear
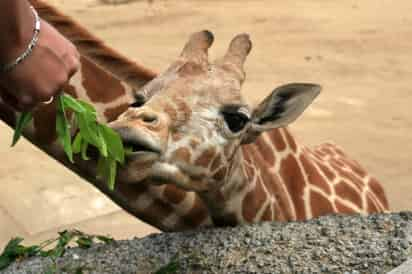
282	107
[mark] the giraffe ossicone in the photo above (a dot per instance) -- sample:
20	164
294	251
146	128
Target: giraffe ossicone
196	132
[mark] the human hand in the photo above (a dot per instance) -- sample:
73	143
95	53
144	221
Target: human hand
43	73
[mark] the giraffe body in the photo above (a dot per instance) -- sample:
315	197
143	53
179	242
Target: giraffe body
189	169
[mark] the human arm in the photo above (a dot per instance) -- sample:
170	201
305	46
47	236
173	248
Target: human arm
45	70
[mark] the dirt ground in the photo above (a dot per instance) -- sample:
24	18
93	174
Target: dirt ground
359	51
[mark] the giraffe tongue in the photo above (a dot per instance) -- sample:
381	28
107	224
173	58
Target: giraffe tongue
135	147
139	146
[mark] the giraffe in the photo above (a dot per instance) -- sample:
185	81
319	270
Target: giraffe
196	132
111	83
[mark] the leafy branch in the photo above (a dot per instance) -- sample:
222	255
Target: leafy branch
90	132
14	250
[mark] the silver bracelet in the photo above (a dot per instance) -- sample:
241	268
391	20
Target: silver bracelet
29	49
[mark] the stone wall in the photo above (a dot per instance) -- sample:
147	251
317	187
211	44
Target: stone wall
331	244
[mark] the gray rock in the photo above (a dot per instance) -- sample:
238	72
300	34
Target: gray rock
405	268
330	244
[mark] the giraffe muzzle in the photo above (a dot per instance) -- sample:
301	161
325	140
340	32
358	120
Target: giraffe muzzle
139	143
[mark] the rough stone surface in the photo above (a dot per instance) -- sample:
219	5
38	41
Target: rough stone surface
405	268
331	244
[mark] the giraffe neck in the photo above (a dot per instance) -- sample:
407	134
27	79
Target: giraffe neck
275	178
248	193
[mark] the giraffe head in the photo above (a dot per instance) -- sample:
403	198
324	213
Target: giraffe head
194	118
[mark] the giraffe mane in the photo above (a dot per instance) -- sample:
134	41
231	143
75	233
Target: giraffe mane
89	45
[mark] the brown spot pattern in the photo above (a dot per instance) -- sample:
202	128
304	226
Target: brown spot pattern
341	208
173	194
171	111
267	214
101	87
280	213
313	174
197	214
337	162
111	114
220	174
320	204
290	140
206	157
355	167
377	189
326	171
273	186
372	207
71	90
177	136
295	183
184	110
265	150
350	177
253	201
159	210
277	139
346	192
194	143
182	154
217	162
320	154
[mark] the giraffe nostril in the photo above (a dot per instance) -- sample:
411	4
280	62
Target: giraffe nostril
140	100
149	117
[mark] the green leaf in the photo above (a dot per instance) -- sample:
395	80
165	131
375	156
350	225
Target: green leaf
12	246
5	261
101	168
171	267
102	143
21	123
106	170
46	253
63	130
111	178
90	109
84	151
31	250
11	252
77	143
64	239
85	242
89	130
114	143
73	104
14	250
105	239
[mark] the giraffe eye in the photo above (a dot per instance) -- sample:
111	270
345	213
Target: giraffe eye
236	121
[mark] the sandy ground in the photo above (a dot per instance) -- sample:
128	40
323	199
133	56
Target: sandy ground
359	51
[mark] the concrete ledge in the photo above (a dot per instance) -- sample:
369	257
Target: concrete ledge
331	244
